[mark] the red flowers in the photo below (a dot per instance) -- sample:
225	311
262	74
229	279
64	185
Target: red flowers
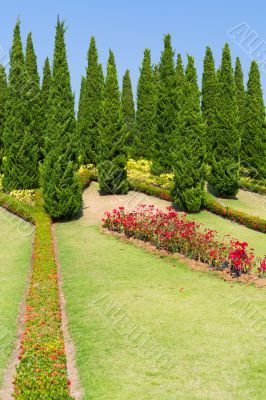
173	232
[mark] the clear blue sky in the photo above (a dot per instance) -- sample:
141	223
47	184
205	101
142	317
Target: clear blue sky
128	26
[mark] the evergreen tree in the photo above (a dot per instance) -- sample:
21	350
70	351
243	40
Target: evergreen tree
34	96
89	124
209	90
45	91
189	169
128	106
21	151
113	137
146	111
180	98
166	119
226	146
81	117
254	134
61	192
240	94
3	98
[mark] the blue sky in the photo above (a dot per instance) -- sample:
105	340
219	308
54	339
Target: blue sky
129	26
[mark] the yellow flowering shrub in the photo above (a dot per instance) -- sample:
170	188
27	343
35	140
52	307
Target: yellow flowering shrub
25	196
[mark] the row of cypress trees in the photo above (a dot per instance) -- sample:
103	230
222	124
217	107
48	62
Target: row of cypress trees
175	125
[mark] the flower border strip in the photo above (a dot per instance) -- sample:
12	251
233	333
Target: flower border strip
42	370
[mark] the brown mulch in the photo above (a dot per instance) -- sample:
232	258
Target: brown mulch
249	279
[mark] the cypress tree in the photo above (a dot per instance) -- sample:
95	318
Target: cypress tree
180	98
89	133
189	169
226	146
146	111
240	93
45	91
34	96
81	118
3	98
209	90
113	137
166	119
254	134
128	107
61	192
20	147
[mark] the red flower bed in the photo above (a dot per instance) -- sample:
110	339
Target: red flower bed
172	231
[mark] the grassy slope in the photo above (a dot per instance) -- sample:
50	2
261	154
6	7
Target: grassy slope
15	251
214	353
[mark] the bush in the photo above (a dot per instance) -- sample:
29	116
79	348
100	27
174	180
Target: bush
25	196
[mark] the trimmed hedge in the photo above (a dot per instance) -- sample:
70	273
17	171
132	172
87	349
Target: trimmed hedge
250	221
150	190
253	186
42	371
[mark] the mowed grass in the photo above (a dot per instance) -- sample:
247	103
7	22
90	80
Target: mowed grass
256	240
147	327
15	253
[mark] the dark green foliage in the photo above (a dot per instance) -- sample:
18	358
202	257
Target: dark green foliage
240	94
34	96
128	106
226	145
3	98
81	117
62	191
189	169
146	111
180	98
254	134
88	125
45	91
165	141
209	91
113	136
21	151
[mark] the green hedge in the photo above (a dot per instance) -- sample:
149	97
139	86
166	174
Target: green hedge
41	372
253	186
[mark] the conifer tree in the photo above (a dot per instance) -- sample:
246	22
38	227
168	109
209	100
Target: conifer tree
61	192
226	146
166	119
253	152
113	137
128	107
21	151
189	169
180	98
81	118
45	91
209	90
146	111
33	96
3	98
240	93
89	128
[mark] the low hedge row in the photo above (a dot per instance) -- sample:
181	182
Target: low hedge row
253	186
210	204
41	372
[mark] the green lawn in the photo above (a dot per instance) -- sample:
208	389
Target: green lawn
140	336
15	253
256	240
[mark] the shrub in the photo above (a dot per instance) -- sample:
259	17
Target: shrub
25	196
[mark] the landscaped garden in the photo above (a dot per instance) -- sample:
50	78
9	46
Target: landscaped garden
133	250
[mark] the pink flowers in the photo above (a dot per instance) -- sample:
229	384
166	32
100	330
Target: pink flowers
172	231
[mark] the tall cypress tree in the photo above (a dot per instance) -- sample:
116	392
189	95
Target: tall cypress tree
62	192
166	118
128	107
45	91
209	91
225	163
21	151
81	118
240	94
189	169
180	98
146	111
113	137
34	96
89	128
253	152
3	98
